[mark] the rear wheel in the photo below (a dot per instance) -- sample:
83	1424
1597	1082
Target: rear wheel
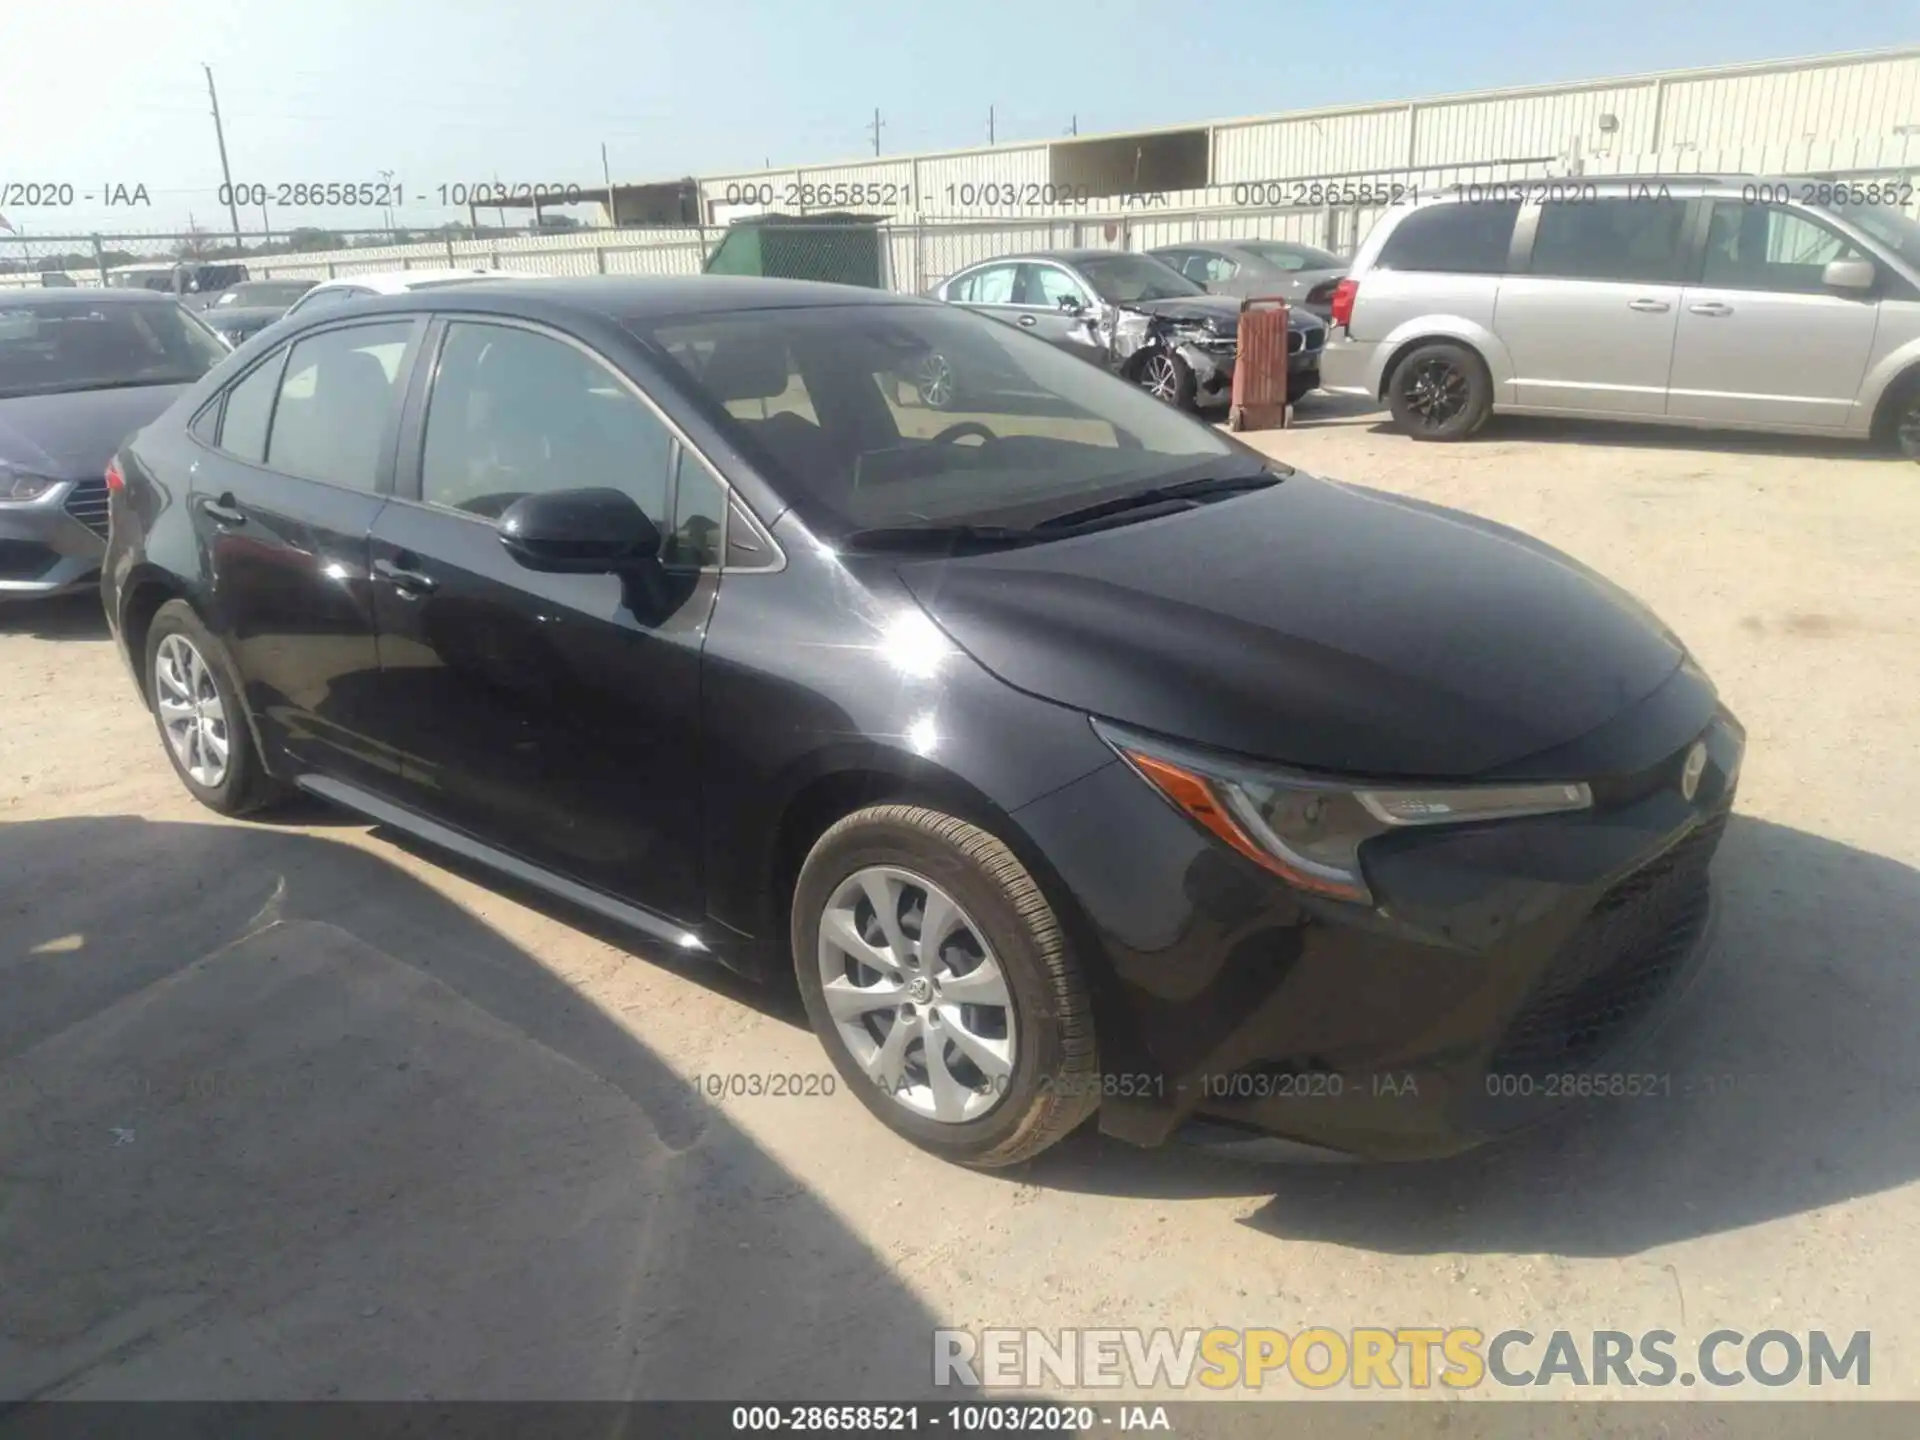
1440	392
197	708
1165	376
939	980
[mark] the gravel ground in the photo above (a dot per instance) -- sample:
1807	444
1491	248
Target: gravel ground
296	1110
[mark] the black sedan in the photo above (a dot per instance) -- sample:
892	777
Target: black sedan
1136	315
80	370
244	310
1074	757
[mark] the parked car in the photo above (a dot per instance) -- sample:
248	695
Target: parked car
329	293
1074	756
837	246
1734	302
194	284
80	370
244	310
1132	313
1302	275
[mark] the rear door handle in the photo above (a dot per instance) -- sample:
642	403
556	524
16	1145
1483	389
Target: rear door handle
1711	307
407	582
1649	307
1028	321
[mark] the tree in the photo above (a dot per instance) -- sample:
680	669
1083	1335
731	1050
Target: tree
305	238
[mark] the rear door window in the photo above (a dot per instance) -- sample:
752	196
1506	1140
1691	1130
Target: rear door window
1611	239
1462	238
993	285
334	403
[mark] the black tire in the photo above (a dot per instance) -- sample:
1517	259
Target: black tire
1303	383
1053	1086
1440	391
245	785
1167	377
1898	427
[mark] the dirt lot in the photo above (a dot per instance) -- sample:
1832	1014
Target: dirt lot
293	1110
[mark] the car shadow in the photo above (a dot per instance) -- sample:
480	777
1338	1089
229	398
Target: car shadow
1792	1078
1547	430
282	1121
78	616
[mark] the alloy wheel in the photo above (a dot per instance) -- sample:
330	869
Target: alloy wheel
935	382
917	994
1436	391
1161	377
191	711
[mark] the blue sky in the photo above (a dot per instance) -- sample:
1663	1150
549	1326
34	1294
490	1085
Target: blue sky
443	91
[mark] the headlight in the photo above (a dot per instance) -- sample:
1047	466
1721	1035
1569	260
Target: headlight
18	485
1309	830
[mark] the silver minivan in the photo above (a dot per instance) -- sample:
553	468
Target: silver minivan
1737	302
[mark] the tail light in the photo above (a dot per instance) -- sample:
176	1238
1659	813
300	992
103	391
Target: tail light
115	480
1344	294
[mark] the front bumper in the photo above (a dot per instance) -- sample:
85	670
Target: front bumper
53	545
1213	364
1508	967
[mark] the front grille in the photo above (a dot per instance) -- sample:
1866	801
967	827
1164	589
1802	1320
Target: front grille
88	505
1316	337
1618	964
1295	339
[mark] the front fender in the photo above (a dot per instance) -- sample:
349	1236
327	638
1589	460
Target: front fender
1881	377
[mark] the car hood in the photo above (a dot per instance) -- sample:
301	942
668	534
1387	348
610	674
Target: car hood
1315	624
72	435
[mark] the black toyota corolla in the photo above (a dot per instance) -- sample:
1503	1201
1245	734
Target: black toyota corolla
1075	757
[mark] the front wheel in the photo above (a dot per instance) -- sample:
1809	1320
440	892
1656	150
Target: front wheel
1440	392
1165	376
1900	423
941	984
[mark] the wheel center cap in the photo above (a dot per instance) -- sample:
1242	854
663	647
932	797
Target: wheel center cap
919	990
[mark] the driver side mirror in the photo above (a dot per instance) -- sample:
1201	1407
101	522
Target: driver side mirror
1073	304
1857	275
597	531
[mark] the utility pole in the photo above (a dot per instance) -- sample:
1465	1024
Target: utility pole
220	135
989	124
875	127
606	174
1074	128
266	225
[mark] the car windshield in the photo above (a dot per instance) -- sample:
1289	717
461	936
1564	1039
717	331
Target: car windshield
1291	257
1893	228
880	417
1122	278
46	348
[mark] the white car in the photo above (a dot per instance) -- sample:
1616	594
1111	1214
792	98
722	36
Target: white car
390	282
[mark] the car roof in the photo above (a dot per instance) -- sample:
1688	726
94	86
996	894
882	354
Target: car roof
398	282
632	297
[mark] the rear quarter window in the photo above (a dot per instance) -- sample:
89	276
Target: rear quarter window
1462	239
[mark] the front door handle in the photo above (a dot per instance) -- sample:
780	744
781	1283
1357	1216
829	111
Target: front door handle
1028	321
1711	307
407	582
1649	307
223	511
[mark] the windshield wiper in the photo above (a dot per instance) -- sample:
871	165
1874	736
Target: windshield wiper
940	538
1193	491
